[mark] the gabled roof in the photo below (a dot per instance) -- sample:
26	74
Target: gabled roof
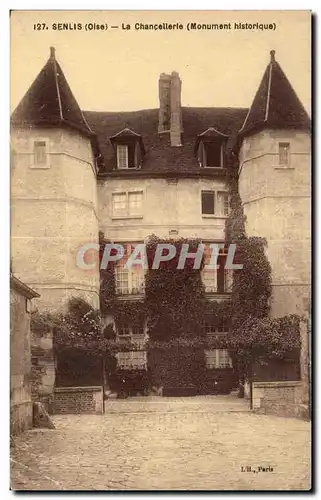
212	132
160	156
22	287
128	135
126	132
275	104
50	101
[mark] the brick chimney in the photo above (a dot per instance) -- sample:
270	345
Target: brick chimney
170	114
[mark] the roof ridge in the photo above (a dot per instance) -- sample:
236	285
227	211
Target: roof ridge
269	86
54	62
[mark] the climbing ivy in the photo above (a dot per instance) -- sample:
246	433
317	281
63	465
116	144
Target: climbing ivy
253	333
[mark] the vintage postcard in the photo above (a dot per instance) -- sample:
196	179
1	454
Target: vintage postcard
160	250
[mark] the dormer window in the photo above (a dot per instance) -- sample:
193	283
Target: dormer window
122	156
129	149
210	148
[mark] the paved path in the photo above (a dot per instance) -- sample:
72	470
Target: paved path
179	444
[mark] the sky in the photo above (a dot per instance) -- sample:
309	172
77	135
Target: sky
118	70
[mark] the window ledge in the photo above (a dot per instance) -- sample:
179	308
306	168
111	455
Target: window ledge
216	168
277	167
125	217
210	216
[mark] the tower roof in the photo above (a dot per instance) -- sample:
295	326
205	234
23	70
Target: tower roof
275	104
50	101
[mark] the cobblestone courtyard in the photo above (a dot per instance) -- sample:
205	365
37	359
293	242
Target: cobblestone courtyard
165	444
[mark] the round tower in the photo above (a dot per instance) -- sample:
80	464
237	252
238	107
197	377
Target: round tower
275	186
53	191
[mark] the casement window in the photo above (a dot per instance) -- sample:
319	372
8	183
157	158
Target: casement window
127	204
126	329
215	328
284	154
132	360
215	203
129	281
40	154
122	156
213	154
217	280
218	358
128	156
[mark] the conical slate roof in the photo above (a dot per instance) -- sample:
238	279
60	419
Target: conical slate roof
275	104
50	101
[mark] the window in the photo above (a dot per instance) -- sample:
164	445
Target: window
122	156
218	358
40	154
127	204
216	328
284	154
208	203
124	331
213	154
132	359
215	203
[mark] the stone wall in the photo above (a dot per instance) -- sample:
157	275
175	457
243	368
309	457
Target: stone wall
53	213
180	201
282	195
279	398
43	369
76	400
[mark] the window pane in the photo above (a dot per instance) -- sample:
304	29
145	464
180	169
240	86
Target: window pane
284	153
135	201
40	156
122	284
122	156
208	202
213	154
119	203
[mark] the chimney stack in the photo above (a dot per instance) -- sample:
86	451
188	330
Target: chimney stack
170	114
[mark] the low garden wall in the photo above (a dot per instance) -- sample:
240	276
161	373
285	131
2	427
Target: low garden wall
281	398
77	400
